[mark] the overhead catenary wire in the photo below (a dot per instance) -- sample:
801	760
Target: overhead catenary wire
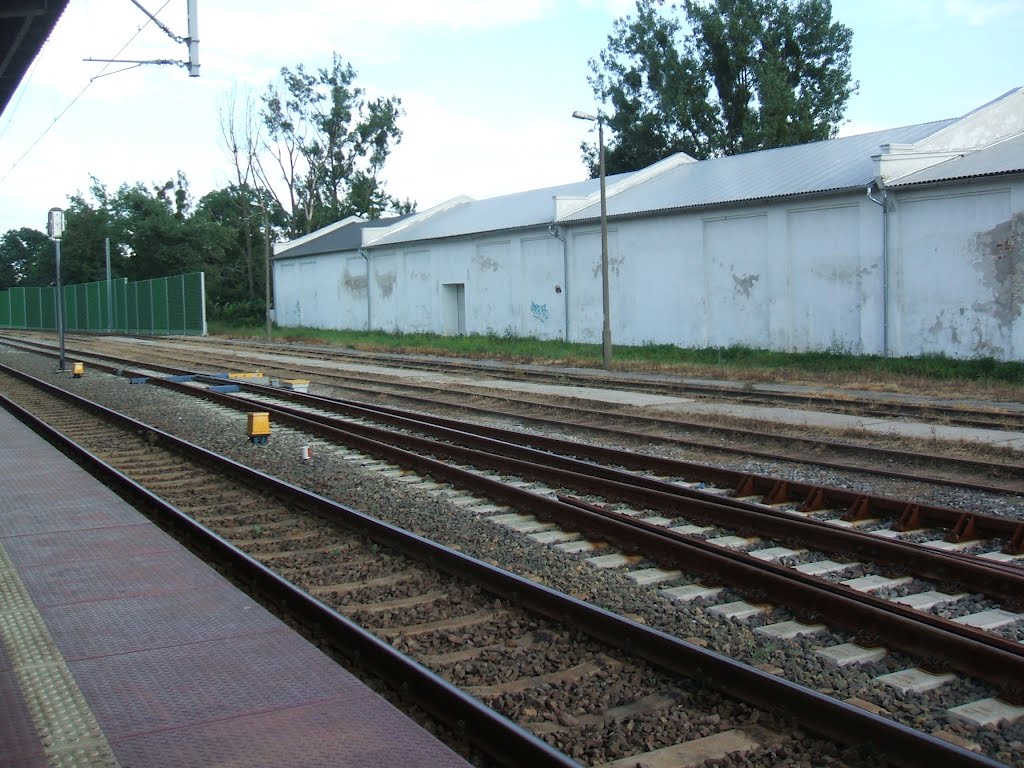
64	111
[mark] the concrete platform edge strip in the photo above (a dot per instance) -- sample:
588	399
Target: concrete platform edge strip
69	733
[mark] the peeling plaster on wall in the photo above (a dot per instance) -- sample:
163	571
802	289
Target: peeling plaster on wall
982	345
745	282
938	329
386	282
354	283
487	263
842	275
614	264
952	324
999	258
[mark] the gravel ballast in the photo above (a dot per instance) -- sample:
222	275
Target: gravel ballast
328	473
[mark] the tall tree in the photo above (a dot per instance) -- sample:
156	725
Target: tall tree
231	283
27	258
240	133
329	144
158	232
88	224
740	75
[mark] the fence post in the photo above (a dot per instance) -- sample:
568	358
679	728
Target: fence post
110	289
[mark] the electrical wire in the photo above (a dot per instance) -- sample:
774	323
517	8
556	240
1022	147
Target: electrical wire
84	89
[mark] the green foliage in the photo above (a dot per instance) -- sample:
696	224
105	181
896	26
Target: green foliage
329	144
87	226
746	75
27	258
236	314
235	273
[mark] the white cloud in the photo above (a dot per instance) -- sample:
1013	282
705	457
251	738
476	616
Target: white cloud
449	151
979	13
452	14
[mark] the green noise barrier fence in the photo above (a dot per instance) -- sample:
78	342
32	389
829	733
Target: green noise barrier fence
161	306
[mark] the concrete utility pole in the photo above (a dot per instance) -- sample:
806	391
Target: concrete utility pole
192	41
266	268
606	328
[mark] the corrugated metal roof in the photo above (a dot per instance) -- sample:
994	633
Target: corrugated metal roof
842	163
1004	157
347	238
836	164
522	209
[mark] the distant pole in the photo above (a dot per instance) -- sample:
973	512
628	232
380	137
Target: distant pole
266	270
193	40
110	290
55	229
60	310
606	325
606	330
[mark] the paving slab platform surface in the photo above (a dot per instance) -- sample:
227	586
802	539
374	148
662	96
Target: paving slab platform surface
119	647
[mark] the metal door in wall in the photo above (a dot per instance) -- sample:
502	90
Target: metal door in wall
453	308
542	290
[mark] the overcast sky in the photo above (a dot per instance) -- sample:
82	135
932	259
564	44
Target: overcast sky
488	86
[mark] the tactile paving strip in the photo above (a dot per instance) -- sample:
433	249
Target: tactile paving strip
69	733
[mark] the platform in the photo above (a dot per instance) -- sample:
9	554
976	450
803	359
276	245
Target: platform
119	647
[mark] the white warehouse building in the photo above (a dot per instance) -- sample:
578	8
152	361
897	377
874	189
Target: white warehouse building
905	241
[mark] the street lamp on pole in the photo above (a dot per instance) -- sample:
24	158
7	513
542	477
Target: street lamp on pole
606	330
55	229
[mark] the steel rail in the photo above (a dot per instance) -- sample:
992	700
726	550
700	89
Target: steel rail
884	454
972	650
499	737
623	380
966	416
985	577
810	497
860	506
819	713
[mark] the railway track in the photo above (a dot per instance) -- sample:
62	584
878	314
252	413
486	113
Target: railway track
997	415
671	523
914	465
996	538
566	671
653	567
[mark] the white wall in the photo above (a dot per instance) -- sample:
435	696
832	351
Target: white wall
790	275
957	268
323	291
808	275
798	274
512	284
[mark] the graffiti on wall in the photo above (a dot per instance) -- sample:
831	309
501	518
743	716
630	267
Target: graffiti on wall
539	311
